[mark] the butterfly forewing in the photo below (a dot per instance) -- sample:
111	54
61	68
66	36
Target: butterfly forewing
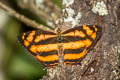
79	41
42	45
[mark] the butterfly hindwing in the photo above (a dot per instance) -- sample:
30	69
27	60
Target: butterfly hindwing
39	43
80	40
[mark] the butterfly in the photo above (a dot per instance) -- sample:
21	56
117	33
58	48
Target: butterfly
73	44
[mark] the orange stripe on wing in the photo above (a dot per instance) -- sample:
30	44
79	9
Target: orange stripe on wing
69	45
47	58
69	62
43	48
43	37
33	48
77	44
75	34
26	43
87	42
71	56
93	36
88	30
54	64
51	47
73	45
30	36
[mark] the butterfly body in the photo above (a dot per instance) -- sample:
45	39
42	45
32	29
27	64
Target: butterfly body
59	35
67	47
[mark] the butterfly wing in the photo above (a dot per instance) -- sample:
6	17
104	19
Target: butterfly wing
78	41
42	45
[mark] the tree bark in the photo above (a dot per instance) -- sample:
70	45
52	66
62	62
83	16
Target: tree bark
102	62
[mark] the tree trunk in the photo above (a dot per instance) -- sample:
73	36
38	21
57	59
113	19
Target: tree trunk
102	62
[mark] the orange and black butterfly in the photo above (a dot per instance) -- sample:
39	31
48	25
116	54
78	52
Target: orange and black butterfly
76	42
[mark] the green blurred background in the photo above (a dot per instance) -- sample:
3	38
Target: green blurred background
15	62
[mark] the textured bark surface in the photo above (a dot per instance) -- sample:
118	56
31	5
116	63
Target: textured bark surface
101	63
